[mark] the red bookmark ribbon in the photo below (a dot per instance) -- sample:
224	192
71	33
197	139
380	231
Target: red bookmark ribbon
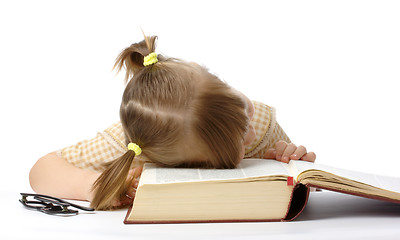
290	181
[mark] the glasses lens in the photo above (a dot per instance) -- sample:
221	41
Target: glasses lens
61	202
33	204
58	210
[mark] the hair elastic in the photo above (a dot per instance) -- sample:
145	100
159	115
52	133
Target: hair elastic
134	147
150	59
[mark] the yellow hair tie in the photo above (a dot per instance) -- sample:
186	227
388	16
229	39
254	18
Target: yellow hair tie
134	147
150	59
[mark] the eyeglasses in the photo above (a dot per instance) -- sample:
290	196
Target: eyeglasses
50	205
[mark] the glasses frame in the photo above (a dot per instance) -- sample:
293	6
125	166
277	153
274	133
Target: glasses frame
50	205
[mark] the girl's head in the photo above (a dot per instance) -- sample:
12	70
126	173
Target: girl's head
178	113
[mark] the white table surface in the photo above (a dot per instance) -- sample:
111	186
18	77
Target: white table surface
328	215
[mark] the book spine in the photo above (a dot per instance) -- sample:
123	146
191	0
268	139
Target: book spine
298	201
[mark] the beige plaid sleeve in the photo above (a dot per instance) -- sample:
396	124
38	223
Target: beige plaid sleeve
268	131
277	135
93	153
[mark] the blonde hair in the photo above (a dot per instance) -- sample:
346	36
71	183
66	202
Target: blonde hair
178	113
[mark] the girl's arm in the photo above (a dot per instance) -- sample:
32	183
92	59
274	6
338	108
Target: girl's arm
52	175
60	176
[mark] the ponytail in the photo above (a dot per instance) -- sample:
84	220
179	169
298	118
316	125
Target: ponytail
132	58
113	182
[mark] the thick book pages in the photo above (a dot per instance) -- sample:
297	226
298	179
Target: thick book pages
257	190
346	181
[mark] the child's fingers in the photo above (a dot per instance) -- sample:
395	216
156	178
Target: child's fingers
132	173
131	192
298	153
280	148
270	154
138	171
135	172
309	157
115	203
125	200
289	150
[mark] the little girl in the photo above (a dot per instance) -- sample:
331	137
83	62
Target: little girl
173	113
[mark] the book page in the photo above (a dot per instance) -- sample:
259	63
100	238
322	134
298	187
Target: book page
383	182
153	174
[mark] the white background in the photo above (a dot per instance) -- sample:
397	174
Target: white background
329	67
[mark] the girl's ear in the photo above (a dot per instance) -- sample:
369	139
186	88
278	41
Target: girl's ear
132	57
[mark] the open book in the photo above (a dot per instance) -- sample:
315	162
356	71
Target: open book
257	190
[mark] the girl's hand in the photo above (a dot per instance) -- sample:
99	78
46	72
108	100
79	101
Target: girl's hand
126	200
285	152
